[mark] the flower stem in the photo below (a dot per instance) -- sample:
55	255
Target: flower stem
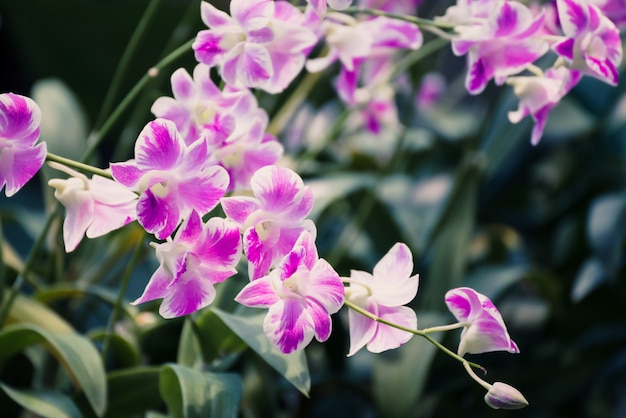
407	18
421	333
79	166
98	135
120	297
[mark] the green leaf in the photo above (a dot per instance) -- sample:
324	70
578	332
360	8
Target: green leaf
250	329
400	374
45	403
75	352
29	311
218	340
133	391
192	394
125	350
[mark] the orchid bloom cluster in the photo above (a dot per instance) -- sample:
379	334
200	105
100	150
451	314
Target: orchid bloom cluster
208	146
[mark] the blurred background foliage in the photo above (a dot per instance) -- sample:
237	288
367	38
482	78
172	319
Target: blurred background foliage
540	230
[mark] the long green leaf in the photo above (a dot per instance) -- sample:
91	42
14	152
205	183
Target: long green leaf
75	352
45	403
133	391
250	329
192	394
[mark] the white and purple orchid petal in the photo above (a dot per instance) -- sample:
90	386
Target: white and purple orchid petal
221	245
325	286
190	230
20	118
319	6
281	190
514	59
573	16
109	192
250	64
463	302
536	26
214	17
292	36
478	74
252	14
157	287
288	235
203	192
157	213
253	158
393	284
188	295
315	65
18	165
183	86
510	18
239	208
259	293
603	69
170	109
261	36
202	80
260	257
395	33
362	328
346	85
207	48
127	173
286	68
288	325
320	319
79	209
114	206
540	117
565	48
388	338
485	335
159	146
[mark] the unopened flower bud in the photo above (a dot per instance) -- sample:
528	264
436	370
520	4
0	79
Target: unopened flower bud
503	396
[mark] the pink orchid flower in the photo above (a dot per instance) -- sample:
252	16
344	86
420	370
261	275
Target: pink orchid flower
273	220
538	95
198	108
498	45
592	45
320	6
20	158
173	179
383	293
199	256
261	44
301	294
484	329
94	207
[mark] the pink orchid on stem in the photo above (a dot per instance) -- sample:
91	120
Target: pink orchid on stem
383	294
301	294
20	158
199	256
484	328
198	108
173	179
499	45
539	95
273	220
94	207
261	44
593	45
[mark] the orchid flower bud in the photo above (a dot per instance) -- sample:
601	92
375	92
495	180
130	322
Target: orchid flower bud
503	396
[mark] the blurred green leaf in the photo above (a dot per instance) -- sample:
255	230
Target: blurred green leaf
218	339
292	367
75	352
192	394
493	280
133	391
45	403
591	275
25	310
126	352
606	229
328	189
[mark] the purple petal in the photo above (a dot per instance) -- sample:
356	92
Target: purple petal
158	214
127	174
395	33
320	319
565	48
259	293
261	36
288	326
203	192
386	337
393	284
156	288
463	303
507	19
159	146
252	15
183	86
18	165
260	257
207	48
573	16
346	85
362	329
187	296
253	65
477	77
190	230
239	208
213	17
220	248
20	118
325	286
282	190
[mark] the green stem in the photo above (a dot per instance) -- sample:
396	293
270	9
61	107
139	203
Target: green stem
443	328
120	298
421	333
407	18
79	166
97	136
124	63
474	376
